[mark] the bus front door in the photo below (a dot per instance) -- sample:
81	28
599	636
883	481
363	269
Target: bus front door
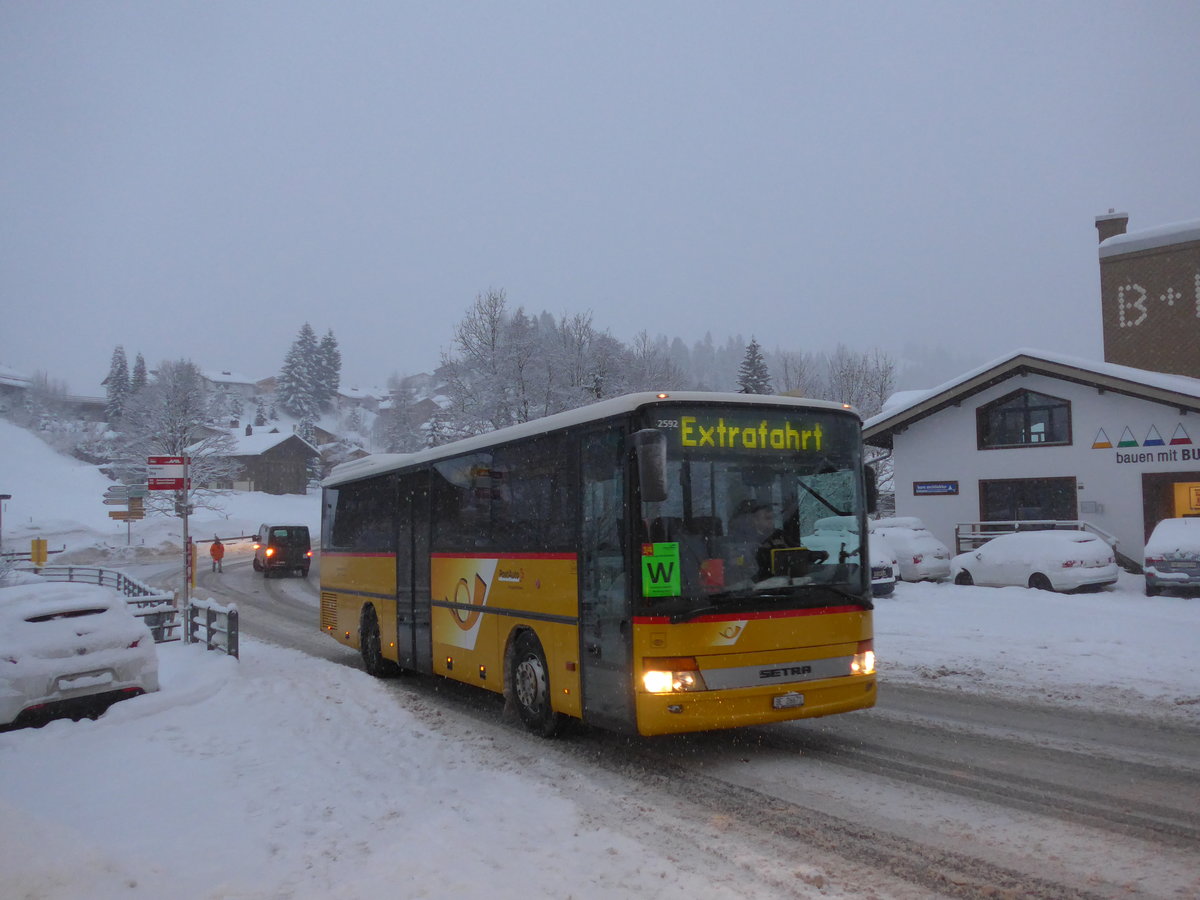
605	616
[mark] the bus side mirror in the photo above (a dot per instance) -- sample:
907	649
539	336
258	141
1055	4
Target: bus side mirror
650	446
872	489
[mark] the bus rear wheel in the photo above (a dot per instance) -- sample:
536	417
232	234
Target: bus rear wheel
529	685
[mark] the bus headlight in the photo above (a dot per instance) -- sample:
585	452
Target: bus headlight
671	675
863	662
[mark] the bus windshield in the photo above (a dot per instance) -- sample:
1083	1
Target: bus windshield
764	511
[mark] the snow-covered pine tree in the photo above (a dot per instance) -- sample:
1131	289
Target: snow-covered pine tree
296	389
260	412
117	385
753	377
138	379
328	370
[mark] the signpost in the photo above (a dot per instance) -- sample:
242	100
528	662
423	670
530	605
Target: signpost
166	473
170	473
131	497
3	497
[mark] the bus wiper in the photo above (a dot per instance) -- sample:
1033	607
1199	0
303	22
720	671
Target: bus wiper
844	593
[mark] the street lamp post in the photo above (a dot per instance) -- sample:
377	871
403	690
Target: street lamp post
3	497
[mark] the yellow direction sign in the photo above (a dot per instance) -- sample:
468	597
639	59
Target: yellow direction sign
125	516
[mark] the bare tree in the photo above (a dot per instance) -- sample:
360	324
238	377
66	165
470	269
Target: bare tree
797	373
862	379
169	417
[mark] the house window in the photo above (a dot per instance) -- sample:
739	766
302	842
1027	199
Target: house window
1024	499
1024	419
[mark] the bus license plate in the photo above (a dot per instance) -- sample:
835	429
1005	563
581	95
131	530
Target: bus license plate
787	701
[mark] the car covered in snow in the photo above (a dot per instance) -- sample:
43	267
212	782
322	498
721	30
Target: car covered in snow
1173	556
1048	560
839	534
920	555
69	649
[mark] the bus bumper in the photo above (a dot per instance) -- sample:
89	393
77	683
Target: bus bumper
713	710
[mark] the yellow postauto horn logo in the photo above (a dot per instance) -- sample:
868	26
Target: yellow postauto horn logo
466	619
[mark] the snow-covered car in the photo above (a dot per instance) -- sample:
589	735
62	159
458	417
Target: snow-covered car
835	534
1046	560
1173	556
69	650
920	555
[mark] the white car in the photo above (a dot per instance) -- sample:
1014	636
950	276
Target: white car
69	650
921	556
833	534
1047	560
1173	556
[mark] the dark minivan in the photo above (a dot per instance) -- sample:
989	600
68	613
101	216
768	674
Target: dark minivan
282	549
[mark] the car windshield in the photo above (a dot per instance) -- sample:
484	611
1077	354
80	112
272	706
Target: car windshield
756	523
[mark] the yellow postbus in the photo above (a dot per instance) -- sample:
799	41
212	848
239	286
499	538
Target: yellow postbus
639	564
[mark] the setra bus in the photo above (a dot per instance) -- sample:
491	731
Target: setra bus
638	564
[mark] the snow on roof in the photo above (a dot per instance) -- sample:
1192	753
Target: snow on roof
261	441
1149	238
902	399
225	377
357	393
12	376
379	463
899	404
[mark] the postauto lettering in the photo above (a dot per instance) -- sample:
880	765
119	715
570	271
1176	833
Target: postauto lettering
766	435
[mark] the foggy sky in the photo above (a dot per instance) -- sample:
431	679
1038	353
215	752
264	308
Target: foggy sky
199	179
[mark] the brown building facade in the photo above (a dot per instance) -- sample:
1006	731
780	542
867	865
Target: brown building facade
1150	295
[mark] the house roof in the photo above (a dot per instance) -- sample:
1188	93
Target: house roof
13	377
1151	238
904	409
260	442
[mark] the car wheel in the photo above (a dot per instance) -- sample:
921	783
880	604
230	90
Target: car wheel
529	686
1152	590
1040	582
304	572
257	565
371	647
964	577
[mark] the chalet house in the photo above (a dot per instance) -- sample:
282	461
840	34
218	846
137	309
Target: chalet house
272	462
1039	436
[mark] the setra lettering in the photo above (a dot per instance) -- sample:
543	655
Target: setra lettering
784	671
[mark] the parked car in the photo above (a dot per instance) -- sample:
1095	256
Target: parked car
833	533
1173	556
1047	560
920	555
282	549
69	650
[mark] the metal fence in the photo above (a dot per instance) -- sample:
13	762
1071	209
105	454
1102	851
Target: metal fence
969	535
207	622
213	625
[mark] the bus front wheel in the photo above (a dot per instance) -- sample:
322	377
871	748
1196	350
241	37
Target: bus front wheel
530	686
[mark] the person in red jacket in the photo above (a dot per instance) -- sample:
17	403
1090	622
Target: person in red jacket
217	551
